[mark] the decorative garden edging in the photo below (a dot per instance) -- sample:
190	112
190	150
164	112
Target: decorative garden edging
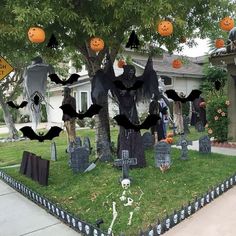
75	223
87	229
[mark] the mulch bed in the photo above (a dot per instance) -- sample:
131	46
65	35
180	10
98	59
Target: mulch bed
223	144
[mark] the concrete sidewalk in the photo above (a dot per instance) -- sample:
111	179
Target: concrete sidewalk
19	216
215	219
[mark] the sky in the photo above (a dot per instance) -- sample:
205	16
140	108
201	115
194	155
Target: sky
201	49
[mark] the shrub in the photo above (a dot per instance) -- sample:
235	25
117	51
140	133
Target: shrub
217	117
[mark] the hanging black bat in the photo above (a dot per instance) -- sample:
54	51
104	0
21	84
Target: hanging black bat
70	111
52	133
53	43
73	78
138	84
150	121
217	85
133	41
36	99
13	105
174	96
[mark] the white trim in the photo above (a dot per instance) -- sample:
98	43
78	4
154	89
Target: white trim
80	100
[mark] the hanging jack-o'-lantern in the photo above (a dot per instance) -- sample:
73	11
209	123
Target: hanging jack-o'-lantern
177	63
219	43
96	44
165	28
36	35
121	63
227	23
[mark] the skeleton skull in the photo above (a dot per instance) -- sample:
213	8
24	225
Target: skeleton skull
80	225
168	223
207	198
95	232
73	222
227	184
159	229
218	190
202	201
125	183
222	187
196	206
87	229
182	214
212	194
231	181
68	218
175	218
189	210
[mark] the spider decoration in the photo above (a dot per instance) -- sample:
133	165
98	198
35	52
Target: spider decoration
36	99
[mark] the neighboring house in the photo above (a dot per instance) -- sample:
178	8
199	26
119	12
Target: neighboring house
185	79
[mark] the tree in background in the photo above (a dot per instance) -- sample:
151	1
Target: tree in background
74	22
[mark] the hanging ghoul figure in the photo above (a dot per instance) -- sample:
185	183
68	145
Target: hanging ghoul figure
128	139
35	82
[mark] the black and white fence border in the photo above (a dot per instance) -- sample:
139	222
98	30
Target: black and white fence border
87	229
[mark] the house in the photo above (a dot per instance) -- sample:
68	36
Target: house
184	79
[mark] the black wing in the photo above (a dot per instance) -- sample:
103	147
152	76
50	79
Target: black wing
138	84
69	110
12	104
173	95
52	133
217	85
53	43
56	79
73	78
193	95
150	121
29	133
93	110
122	120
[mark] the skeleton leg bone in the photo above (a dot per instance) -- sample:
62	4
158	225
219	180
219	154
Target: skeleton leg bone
130	217
114	217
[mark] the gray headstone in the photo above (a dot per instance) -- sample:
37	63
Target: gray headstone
162	154
186	124
125	162
87	144
148	140
53	152
79	159
183	142
205	144
199	126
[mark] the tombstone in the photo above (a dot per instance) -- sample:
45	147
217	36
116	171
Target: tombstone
43	171
24	162
205	144
162	154
79	159
199	126
148	140
184	145
78	142
186	124
53	152
125	162
87	144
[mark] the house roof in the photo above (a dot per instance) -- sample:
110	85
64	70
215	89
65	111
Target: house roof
164	67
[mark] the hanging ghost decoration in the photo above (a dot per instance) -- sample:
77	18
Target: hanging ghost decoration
35	83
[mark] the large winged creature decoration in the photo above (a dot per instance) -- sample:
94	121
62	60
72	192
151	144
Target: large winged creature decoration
127	94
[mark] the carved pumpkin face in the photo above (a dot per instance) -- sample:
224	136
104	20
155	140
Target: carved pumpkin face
36	35
219	43
177	63
170	135
227	23
165	28
121	63
169	140
96	44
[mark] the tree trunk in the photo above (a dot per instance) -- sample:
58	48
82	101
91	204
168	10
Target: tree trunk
13	133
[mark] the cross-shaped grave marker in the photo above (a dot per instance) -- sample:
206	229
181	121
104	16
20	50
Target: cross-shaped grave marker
125	162
183	142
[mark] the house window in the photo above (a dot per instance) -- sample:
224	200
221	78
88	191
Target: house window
167	80
83	101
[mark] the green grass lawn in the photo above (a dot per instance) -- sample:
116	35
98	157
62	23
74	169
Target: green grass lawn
89	196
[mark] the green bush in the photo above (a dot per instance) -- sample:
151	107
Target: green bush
217	117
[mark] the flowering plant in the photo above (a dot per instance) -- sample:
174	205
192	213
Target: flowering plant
217	117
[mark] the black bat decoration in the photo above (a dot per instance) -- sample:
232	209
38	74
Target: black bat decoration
36	100
138	84
13	105
29	133
217	85
150	121
192	96
53	43
73	78
70	111
133	41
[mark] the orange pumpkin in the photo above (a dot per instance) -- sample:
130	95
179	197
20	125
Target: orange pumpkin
169	140
177	63
227	23
96	44
36	35
165	28
219	43
121	63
